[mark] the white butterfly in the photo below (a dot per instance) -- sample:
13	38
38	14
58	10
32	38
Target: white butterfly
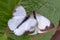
18	16
21	23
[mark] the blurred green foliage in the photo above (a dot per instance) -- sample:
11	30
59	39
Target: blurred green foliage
48	8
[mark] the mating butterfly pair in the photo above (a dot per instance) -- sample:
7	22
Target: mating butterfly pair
21	23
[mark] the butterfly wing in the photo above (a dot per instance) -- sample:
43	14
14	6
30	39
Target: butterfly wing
19	11
14	22
42	22
18	17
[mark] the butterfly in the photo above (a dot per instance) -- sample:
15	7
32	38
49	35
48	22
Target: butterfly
21	23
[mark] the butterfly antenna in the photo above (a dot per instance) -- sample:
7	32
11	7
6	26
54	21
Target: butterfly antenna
34	14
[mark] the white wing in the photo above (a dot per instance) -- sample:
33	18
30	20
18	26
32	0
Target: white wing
20	31
25	26
19	11
42	22
18	17
14	22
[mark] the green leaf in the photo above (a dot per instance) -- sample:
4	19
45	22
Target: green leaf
48	8
6	9
4	37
